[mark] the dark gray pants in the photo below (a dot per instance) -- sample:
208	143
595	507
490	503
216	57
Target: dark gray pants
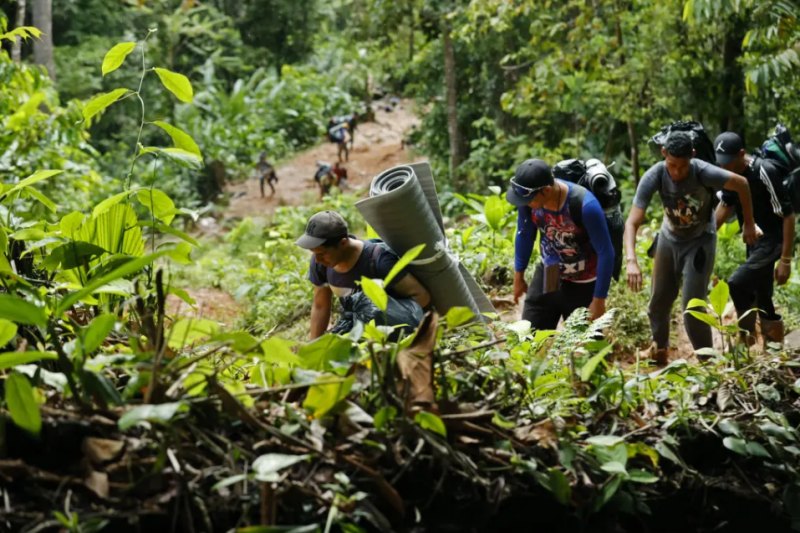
686	266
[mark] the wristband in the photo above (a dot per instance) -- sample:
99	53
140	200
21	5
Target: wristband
786	260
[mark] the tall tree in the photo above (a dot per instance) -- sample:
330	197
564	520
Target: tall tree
456	155
16	48
43	47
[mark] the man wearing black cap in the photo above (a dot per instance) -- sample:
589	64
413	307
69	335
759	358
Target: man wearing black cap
339	260
752	283
686	246
577	260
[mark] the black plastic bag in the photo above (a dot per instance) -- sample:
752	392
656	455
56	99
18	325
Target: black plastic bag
357	307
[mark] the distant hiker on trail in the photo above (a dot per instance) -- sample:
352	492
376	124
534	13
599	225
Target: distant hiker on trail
265	172
324	177
338	132
351	120
577	259
686	244
751	285
338	262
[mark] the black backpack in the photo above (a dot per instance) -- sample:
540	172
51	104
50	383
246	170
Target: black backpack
593	175
704	148
784	155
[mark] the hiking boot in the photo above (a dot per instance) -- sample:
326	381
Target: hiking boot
658	355
772	330
747	327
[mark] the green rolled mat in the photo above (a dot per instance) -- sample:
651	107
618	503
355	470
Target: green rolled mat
404	210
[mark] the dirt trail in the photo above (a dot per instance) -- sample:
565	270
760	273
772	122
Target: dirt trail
377	146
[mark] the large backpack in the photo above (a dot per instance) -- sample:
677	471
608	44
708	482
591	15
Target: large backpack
784	155
593	175
704	148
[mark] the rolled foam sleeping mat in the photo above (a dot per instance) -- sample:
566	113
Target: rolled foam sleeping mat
404	211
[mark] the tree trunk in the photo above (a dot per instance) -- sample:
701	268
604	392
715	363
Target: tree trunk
16	48
452	104
43	47
634	152
411	28
732	114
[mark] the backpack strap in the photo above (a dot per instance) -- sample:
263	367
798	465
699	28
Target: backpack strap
575	202
374	254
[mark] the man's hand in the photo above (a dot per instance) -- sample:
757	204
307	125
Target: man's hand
597	308
750	233
634	275
520	287
782	272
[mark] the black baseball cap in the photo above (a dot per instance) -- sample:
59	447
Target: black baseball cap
321	227
530	177
727	146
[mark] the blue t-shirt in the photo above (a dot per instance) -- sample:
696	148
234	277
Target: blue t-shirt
371	263
584	253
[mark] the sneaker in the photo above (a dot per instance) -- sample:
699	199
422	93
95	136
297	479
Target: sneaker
658	355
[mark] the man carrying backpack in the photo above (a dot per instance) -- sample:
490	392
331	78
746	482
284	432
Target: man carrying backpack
686	245
338	262
266	173
752	283
577	259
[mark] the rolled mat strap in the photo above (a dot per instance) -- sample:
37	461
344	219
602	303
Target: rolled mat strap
404	210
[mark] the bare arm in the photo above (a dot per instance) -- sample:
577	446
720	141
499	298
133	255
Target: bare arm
410	286
738	184
635	219
722	214
784	268
320	311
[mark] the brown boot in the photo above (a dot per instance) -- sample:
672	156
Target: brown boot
747	327
772	330
659	356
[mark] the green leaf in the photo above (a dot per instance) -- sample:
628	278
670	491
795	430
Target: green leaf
494	209
44	200
614	467
384	415
409	256
157	201
110	202
97	331
101	101
457	316
559	486
757	450
116	56
188	331
278	351
266	467
30	180
20	311
705	317
501	422
318	354
719	297
589	367
322	397
129	267
73	254
177	84
241	341
180	138
160	226
431	422
729	427
12	359
696	303
604	440
375	293
735	444
642	476
8	330
161	413
22	403
182	157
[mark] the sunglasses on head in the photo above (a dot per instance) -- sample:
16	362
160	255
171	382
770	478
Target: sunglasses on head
525	192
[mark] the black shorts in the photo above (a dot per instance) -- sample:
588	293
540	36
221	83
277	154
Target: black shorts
544	310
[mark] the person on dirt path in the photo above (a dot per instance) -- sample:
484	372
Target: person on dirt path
577	259
324	178
352	122
752	283
338	262
338	132
266	173
686	244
